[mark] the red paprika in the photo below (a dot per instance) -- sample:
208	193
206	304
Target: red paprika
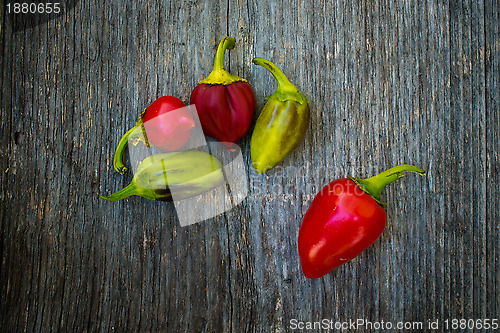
344	219
168	123
225	102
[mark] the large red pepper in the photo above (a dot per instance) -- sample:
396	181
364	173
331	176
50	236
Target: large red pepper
225	102
344	219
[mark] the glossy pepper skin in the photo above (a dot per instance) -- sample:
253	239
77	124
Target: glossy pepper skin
344	219
225	102
186	173
282	123
167	124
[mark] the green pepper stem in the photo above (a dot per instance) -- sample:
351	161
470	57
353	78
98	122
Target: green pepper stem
131	189
219	75
122	194
227	43
284	85
374	185
120	149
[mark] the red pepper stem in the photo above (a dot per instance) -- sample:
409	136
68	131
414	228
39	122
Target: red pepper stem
374	185
284	85
120	149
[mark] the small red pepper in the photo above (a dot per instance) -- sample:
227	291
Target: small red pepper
344	219
225	102
167	124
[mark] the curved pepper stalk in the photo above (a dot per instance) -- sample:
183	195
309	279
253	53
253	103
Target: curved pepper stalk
167	124
281	125
173	176
374	185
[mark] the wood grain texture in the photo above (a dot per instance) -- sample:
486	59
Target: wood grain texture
390	82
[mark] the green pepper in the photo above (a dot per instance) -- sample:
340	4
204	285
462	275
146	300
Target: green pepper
186	174
282	123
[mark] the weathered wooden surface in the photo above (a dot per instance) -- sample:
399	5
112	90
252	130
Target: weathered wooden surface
389	82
